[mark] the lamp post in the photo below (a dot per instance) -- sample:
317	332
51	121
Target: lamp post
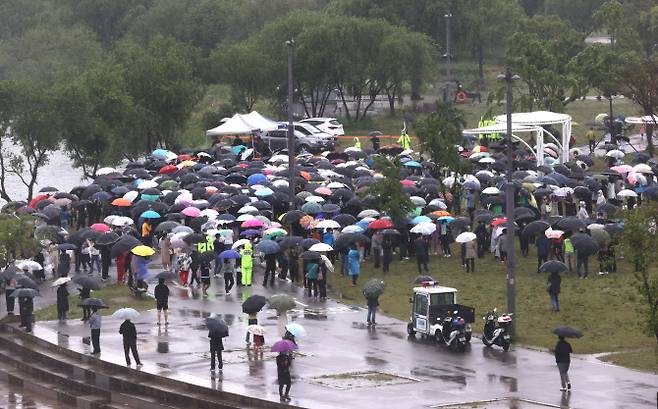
447	17
509	201
291	130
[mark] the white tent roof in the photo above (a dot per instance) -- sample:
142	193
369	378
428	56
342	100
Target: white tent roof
535	118
499	128
240	124
642	119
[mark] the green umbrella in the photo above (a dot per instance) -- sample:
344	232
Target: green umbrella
281	302
169	184
374	287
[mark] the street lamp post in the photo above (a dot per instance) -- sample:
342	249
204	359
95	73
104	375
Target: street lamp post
509	201
447	17
291	130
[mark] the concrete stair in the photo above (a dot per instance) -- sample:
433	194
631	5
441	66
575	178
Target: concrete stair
85	382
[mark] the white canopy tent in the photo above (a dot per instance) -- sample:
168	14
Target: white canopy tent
538	150
642	120
542	118
241	124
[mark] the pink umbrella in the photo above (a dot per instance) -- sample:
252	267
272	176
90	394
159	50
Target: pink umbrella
407	182
101	227
252	223
325	191
191	211
622	168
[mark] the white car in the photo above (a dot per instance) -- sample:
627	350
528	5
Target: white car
329	125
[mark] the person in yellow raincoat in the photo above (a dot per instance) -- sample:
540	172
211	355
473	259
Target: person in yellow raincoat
247	263
357	143
404	140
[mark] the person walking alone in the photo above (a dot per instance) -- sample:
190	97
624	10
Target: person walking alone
470	251
563	353
62	302
95	326
373	303
283	375
216	348
421	248
161	294
129	332
354	268
553	288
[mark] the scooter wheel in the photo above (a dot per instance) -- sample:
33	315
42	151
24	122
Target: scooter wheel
484	341
506	346
410	331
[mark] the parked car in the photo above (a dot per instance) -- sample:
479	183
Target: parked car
278	139
328	125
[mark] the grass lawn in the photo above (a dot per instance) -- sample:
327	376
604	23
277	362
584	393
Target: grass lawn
604	308
116	296
646	360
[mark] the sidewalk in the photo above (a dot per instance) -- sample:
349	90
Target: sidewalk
393	370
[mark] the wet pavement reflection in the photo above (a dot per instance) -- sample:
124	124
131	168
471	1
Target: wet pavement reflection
13	397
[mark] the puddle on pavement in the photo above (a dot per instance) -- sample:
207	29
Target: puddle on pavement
504	403
443	374
364	379
242	355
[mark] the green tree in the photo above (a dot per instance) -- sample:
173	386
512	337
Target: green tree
540	52
387	191
162	83
16	238
639	242
108	18
580	14
610	16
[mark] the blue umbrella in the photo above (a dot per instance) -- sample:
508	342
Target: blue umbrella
472	185
420	219
160	153
251	232
150	214
152	198
256	179
120	190
229	254
413	164
101	196
311	208
237	149
268	247
363	224
447	219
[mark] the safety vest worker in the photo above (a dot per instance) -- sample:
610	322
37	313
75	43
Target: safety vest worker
405	141
246	263
357	143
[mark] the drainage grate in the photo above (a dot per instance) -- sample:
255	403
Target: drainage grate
364	379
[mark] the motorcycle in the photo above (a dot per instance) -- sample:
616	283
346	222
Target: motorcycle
497	330
452	333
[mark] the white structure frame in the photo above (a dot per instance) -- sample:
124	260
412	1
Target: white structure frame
516	128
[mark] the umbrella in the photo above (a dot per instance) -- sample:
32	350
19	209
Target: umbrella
535	227
567	332
374	287
240	243
253	304
424	228
256	329
124	244
553	266
101	227
107	239
217	327
601	237
328	224
60	281
584	244
571	223
423	278
229	254
465	237
67	246
295	329
281	302
86	281
320	247
348	239
310	255
284	345
125	314
26	282
267	247
290	242
150	214
93	302
381	224
24	292
29	265
166	226
143	251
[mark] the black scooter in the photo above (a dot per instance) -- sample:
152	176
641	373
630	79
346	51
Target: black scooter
497	330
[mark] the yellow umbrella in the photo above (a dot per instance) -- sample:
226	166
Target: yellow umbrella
187	164
143	251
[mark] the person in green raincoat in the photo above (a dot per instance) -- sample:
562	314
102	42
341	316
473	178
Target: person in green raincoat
247	263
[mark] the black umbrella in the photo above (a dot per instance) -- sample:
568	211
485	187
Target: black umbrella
607	208
307	243
217	326
553	266
571	223
85	281
207	256
67	246
125	243
290	242
423	278
523	213
24	292
567	332
345	219
93	303
534	228
26	282
107	238
584	244
9	272
166	226
292	216
310	255
253	304
346	240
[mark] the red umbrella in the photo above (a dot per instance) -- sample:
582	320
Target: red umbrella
37	199
498	222
380	224
168	169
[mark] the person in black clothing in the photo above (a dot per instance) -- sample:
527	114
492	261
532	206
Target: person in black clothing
481	233
283	372
218	246
64	265
553	288
387	253
422	253
194	267
373	303
129	332
84	294
106	260
293	264
25	308
563	353
62	302
270	269
216	348
282	259
161	294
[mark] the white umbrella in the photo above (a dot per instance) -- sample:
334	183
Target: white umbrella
321	247
278	158
465	237
418	201
487	160
147	184
125	314
239	243
352	229
131	195
105	171
642	168
247	209
615	153
595	226
491	190
328	224
121	221
449	182
368	213
314	199
245	217
553	234
626	193
209	213
563	191
29	265
438	203
60	281
424	228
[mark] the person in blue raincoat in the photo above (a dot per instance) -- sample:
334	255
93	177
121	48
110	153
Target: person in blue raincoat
140	269
354	268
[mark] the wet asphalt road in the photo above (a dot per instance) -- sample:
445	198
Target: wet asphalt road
394	371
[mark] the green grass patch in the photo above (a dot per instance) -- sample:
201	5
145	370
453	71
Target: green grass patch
604	308
645	360
116	296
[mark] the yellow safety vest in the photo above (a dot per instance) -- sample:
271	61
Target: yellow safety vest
357	143
404	141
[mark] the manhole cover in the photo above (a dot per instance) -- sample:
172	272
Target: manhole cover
364	379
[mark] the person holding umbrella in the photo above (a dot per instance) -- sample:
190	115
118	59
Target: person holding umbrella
25	309
387	253
95	327
62	301
563	353
216	348
553	288
312	271
421	248
161	294
85	292
229	274
373	303
10	286
129	333
246	263
470	251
